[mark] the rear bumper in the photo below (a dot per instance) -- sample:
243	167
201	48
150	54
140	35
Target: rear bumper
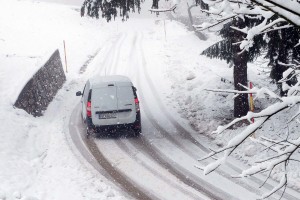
135	125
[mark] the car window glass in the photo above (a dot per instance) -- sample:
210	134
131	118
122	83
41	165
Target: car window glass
125	94
134	91
86	92
105	98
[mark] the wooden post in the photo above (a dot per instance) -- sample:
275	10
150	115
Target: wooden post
251	102
65	56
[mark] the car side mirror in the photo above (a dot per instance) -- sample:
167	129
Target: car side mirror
78	93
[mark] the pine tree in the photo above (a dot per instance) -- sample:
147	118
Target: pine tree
155	4
110	9
202	4
229	50
282	53
280	46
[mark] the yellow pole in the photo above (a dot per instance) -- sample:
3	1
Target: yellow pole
251	101
252	105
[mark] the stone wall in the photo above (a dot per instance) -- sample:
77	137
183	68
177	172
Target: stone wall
42	87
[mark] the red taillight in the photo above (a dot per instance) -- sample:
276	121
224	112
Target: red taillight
136	100
89	109
137	106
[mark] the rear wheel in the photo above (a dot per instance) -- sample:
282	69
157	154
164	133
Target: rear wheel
89	132
137	131
89	127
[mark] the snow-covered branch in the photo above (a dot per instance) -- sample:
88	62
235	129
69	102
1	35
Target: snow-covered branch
289	10
250	19
224	10
205	26
164	10
283	149
258	92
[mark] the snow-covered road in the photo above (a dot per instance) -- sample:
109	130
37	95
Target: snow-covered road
161	163
49	158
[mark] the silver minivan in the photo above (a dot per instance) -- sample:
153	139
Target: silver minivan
110	102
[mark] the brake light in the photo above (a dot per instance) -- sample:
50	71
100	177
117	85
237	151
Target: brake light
89	109
137	105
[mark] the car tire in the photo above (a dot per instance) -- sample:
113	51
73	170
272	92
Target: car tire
137	132
89	132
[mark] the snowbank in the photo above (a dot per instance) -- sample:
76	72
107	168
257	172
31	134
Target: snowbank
36	161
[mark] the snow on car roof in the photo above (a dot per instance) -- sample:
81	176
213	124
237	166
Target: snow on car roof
114	79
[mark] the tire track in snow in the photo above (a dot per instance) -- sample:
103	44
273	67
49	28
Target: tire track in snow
110	56
203	187
117	176
147	149
131	54
179	171
116	59
92	57
122	144
89	149
178	144
90	152
190	152
158	174
105	164
110	62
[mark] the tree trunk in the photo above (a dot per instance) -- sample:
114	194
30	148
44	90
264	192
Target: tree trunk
241	104
190	15
155	4
200	35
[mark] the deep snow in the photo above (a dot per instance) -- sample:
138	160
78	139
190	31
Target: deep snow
37	159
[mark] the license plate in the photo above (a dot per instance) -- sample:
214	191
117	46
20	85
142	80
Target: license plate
107	115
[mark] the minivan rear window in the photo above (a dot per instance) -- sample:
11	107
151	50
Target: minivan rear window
125	94
105	98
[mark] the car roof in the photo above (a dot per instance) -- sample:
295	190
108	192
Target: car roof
116	80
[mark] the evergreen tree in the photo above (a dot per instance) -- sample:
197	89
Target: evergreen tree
229	50
202	4
280	46
110	9
282	53
155	4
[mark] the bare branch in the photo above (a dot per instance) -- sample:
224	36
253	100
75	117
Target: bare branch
273	157
296	115
283	183
269	175
295	160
